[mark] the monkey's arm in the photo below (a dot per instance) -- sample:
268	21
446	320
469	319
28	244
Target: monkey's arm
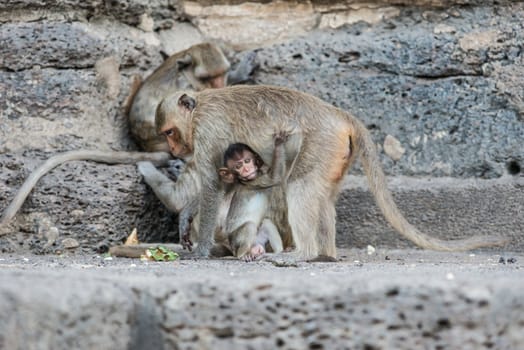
174	195
210	198
278	164
108	157
277	173
208	210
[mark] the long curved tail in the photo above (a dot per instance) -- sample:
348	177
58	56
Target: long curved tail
108	157
364	145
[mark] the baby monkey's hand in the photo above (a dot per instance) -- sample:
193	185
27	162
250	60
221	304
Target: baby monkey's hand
281	137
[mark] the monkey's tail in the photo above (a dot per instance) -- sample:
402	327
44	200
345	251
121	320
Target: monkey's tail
108	157
135	86
377	184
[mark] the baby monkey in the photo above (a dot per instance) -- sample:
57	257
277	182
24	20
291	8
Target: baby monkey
257	214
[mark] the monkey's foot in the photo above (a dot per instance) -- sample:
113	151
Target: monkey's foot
256	251
202	251
186	242
323	258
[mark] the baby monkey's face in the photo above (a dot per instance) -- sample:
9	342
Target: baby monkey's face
244	166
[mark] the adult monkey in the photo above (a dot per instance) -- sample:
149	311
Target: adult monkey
330	140
200	66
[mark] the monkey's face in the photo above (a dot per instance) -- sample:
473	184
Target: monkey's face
210	67
244	166
173	120
177	146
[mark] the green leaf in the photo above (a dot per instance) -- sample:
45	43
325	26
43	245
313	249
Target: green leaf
161	253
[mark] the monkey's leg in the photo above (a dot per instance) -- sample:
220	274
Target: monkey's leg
242	239
327	234
334	172
185	224
304	202
269	232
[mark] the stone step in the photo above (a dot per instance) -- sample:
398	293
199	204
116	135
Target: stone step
392	299
446	208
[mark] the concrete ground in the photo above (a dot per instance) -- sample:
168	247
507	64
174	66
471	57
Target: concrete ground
386	299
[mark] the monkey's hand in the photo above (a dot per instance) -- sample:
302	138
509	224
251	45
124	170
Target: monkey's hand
281	137
186	242
176	167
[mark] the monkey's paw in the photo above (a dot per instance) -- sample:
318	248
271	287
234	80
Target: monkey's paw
186	242
281	137
200	252
176	167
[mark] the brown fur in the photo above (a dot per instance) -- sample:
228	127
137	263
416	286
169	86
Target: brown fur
250	114
198	67
244	227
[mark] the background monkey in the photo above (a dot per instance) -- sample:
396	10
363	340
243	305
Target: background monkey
204	122
200	66
253	218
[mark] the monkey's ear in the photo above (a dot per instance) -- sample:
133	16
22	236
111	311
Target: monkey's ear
184	61
187	102
226	175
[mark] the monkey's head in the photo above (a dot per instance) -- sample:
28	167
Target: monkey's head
205	66
241	163
173	119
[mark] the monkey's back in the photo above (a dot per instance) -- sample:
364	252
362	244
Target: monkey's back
272	109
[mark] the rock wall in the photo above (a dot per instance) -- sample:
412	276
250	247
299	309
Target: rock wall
438	83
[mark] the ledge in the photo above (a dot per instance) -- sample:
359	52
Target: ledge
405	299
447	208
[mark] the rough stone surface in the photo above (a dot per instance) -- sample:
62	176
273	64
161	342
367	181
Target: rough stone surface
84	200
442	77
448	104
393	148
440	207
392	299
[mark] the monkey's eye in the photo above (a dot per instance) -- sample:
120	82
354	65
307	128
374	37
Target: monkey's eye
173	134
247	160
